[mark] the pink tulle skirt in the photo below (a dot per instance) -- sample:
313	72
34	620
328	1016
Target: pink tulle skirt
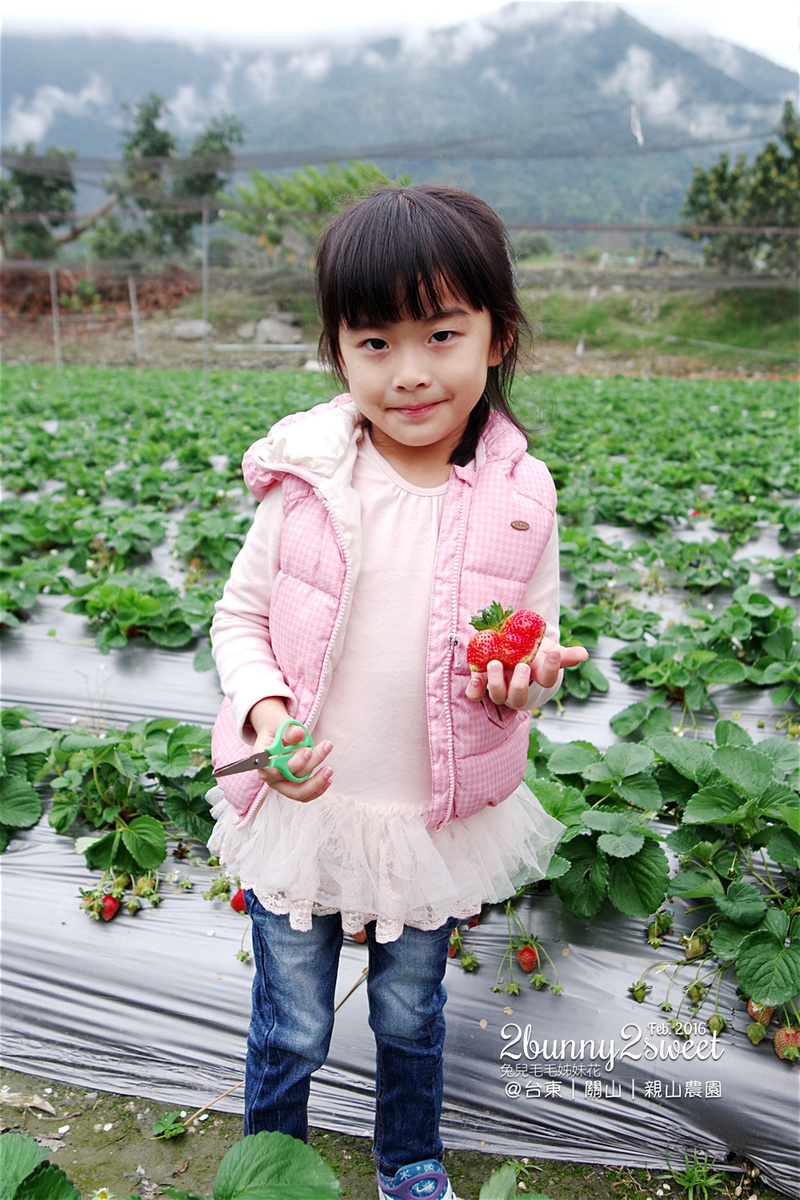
373	862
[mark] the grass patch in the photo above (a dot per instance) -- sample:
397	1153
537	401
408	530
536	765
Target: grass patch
764	321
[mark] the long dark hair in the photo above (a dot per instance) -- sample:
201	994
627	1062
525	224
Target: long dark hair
391	256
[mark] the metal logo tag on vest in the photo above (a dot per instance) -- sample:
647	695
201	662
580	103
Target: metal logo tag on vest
520	525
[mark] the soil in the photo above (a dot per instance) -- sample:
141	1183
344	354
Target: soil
103	1140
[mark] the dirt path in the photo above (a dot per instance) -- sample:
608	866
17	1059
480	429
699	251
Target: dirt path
103	1140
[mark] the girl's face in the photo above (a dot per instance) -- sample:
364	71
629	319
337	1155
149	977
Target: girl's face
418	381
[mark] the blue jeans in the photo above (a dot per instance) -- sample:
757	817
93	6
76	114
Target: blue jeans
292	1022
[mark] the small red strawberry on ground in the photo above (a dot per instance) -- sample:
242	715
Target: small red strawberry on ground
110	907
527	958
360	937
237	901
759	1012
787	1042
503	634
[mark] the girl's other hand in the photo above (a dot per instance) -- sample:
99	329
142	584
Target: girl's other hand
265	717
305	761
511	687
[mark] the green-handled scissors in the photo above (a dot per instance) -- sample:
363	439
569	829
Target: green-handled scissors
275	755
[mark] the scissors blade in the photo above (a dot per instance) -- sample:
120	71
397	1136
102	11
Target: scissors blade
253	763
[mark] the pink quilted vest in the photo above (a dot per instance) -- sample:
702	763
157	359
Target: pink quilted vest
495	525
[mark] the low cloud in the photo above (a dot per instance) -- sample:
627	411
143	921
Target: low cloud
635	79
30	122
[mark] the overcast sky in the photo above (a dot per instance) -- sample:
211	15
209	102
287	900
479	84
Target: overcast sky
770	27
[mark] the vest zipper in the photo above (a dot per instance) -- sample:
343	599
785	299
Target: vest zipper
453	643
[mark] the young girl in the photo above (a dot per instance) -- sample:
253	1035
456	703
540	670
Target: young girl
387	518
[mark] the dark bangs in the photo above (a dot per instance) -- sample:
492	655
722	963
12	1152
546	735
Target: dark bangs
394	256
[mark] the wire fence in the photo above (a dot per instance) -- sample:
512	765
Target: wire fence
215	318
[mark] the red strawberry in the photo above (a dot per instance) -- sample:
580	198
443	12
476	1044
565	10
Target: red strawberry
360	937
482	649
521	637
759	1012
511	637
787	1042
527	958
237	901
110	906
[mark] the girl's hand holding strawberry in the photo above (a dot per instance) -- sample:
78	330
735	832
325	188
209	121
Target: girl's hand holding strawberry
265	717
510	652
507	685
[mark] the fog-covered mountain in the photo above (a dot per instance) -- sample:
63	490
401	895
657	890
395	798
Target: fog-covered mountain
553	111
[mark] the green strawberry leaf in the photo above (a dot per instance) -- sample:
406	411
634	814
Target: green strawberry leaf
572	758
20	803
641	790
19	1156
190	816
768	969
725	670
146	842
716	805
25	740
629	719
695	883
685	838
64	811
557	867
582	888
171	763
784	755
743	904
749	770
47	1182
784	848
274	1166
728	733
564	803
726	940
621	845
694	760
637	885
623	759
501	1184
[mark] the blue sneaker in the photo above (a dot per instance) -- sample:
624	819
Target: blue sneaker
425	1180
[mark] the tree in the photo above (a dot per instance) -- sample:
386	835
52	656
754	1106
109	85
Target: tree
767	193
157	189
303	200
45	196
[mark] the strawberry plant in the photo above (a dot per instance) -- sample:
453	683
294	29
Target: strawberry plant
528	952
129	786
214	538
752	642
703	566
736	810
582	680
24	746
138	606
21	585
